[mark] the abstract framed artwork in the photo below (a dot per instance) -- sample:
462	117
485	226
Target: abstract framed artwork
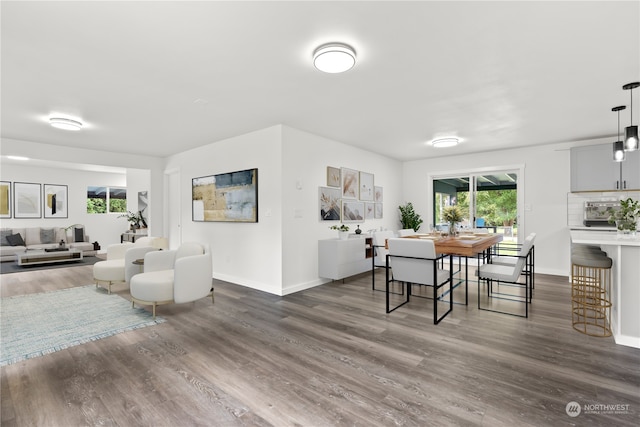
26	200
350	183
329	199
378	194
366	187
333	177
352	211
5	199
369	211
226	197
55	201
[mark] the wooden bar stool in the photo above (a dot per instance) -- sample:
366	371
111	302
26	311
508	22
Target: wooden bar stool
590	291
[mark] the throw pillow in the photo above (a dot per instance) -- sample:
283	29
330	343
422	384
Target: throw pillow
78	234
16	240
3	237
47	235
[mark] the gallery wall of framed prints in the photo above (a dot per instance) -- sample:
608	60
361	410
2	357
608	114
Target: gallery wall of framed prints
350	196
33	200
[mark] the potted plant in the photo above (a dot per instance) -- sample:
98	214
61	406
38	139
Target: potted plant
343	231
453	215
136	219
626	218
409	218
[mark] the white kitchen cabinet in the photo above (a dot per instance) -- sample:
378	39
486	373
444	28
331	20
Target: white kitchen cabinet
593	169
338	259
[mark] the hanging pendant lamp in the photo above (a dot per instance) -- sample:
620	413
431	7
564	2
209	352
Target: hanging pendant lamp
618	146
631	131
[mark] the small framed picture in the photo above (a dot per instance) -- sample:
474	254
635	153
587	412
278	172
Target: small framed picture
369	211
350	183
55	201
378	194
366	187
26	200
378	212
333	177
352	211
5	199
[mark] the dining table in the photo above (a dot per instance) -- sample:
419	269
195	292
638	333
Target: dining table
467	245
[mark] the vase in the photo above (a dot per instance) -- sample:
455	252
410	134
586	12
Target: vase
452	229
343	235
626	228
358	231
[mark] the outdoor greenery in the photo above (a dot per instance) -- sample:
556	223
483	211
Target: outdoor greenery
99	205
409	218
497	207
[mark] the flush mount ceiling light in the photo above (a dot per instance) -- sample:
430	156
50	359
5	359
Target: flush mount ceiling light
64	123
618	146
631	132
334	58
449	141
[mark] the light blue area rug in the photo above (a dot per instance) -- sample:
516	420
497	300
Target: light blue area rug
37	324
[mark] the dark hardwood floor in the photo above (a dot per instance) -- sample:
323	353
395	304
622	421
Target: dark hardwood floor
328	356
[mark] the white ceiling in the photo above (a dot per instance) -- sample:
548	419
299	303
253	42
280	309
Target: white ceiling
157	78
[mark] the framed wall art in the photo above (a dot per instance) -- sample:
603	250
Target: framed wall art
378	194
366	187
329	199
26	200
350	183
378	211
226	197
333	177
352	211
369	210
55	201
5	199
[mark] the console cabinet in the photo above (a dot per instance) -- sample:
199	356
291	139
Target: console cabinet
593	169
338	259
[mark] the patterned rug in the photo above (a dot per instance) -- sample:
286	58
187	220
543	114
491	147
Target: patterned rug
37	324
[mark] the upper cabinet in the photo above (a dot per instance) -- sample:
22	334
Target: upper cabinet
593	169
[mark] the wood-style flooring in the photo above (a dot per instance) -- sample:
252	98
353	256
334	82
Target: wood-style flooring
327	356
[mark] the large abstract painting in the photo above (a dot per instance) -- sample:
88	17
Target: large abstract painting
55	201
26	200
226	197
329	204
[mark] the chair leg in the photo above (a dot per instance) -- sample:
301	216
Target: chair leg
154	311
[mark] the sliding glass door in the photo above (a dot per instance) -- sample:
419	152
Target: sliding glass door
489	200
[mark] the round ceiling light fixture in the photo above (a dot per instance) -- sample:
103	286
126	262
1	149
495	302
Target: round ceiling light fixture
334	58
64	123
448	141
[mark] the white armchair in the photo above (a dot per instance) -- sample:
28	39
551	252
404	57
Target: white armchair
174	276
119	266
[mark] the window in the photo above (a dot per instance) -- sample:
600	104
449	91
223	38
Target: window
106	200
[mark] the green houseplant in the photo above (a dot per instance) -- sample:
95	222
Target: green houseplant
626	218
453	215
136	219
343	231
409	218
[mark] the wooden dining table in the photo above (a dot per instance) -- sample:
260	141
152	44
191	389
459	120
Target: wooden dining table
463	245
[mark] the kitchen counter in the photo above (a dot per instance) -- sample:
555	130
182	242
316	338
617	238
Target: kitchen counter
625	287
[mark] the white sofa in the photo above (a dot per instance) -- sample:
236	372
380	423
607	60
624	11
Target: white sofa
44	238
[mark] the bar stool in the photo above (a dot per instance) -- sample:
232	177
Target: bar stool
590	291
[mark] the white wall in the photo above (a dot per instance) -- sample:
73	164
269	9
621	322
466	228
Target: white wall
547	183
305	158
248	254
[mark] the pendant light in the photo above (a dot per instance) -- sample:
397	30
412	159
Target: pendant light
618	146
631	131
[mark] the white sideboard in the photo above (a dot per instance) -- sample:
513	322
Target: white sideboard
338	259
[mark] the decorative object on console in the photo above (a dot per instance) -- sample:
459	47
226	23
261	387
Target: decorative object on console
343	231
5	199
626	218
26	200
55	201
358	231
409	218
136	219
226	197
